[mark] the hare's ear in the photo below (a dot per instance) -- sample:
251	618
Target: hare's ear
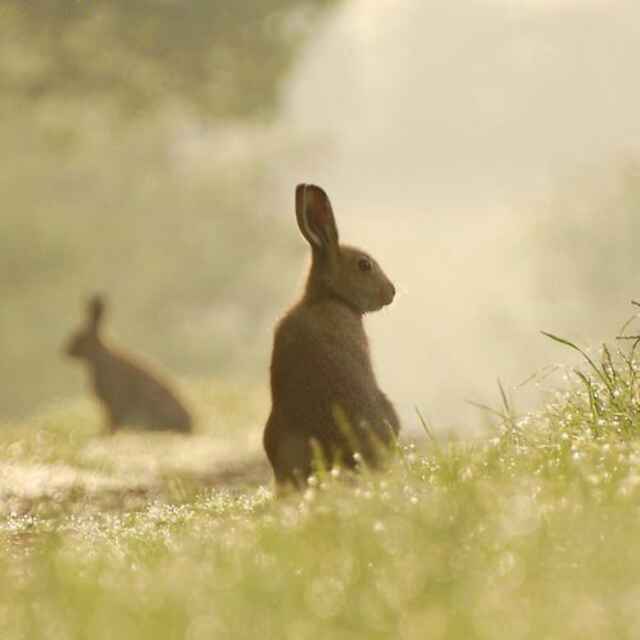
315	217
96	312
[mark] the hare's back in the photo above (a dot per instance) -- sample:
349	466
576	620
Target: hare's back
142	395
161	402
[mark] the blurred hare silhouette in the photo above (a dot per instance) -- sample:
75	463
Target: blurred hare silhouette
324	393
130	393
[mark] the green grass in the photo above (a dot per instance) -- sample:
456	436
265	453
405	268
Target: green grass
529	533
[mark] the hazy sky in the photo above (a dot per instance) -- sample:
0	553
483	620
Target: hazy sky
440	128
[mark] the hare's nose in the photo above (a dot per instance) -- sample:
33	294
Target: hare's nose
390	294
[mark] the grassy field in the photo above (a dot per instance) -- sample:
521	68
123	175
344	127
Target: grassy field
530	532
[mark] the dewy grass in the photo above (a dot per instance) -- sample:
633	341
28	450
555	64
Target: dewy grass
611	389
482	541
509	537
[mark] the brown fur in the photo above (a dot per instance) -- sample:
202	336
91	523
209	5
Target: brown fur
130	394
323	388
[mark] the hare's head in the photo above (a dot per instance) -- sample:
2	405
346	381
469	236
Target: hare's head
84	342
345	273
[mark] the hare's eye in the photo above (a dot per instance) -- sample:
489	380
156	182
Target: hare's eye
364	264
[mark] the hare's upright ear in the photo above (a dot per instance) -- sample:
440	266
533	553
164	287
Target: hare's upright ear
95	309
315	217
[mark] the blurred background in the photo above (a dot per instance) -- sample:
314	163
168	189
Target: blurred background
487	154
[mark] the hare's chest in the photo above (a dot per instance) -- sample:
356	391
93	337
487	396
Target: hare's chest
324	342
110	381
104	385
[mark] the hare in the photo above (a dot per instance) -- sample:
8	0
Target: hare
130	394
325	398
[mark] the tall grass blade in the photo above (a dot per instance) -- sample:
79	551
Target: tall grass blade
608	366
488	409
505	399
425	425
586	356
593	402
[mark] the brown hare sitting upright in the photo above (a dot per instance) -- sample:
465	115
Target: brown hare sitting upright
130	394
325	397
